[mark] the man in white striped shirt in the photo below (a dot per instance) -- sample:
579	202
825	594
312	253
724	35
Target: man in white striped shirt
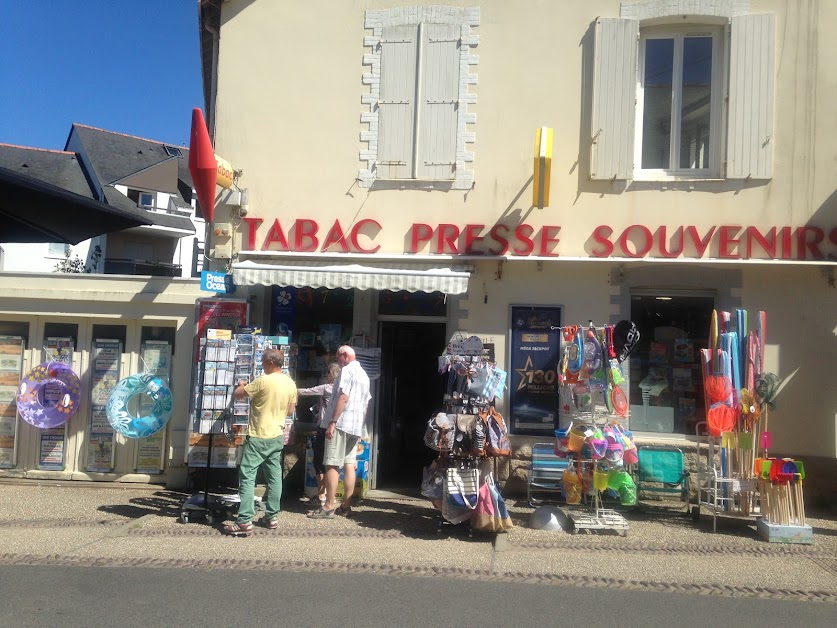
347	411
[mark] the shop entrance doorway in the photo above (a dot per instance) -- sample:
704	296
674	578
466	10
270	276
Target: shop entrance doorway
410	391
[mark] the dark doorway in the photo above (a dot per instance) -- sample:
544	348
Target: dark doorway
411	390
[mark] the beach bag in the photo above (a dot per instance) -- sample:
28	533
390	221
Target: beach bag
432	482
483	517
478	380
491	514
469	438
497	438
502	519
440	432
460	494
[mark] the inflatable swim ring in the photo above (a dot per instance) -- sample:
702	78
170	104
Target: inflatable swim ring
142	426
49	395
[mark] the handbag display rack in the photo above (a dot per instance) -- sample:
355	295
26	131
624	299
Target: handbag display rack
461	435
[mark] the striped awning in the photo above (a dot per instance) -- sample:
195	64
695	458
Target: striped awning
396	276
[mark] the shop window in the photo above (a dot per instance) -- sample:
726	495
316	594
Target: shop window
412	303
15	328
110	332
154	332
319	321
421	68
658	106
62	330
666	393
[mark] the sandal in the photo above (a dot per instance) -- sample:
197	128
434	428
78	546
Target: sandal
322	513
343	511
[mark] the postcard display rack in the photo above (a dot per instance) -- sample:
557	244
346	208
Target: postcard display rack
593	441
220	421
473	383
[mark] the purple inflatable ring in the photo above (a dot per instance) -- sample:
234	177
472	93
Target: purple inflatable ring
49	395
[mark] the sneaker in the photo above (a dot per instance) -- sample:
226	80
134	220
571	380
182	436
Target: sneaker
322	513
272	523
239	529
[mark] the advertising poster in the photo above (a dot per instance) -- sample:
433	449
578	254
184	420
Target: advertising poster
533	376
282	309
52	441
107	354
197	452
155	359
220	314
58	350
150	453
100	453
226	454
51	454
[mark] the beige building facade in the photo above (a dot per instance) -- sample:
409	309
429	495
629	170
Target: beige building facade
691	170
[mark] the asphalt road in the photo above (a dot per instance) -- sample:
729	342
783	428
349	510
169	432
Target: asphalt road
109	596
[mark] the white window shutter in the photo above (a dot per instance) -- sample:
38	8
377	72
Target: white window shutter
396	102
614	99
750	112
439	101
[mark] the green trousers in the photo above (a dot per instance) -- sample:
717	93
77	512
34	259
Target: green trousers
265	453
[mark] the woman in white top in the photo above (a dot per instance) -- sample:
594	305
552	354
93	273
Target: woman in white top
323	391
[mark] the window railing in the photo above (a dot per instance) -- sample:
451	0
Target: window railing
115	266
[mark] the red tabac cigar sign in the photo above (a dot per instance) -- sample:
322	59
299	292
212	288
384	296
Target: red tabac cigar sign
202	164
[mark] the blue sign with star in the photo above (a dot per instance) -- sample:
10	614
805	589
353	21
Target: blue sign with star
535	356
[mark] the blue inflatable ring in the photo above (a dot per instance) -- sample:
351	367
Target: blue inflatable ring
139	427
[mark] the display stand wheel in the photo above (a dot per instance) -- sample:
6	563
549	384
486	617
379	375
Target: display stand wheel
695	513
184	517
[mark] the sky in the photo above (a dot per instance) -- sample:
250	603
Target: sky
131	66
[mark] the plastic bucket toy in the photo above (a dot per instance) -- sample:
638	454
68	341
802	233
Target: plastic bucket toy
600	479
598	448
577	436
617	478
629	456
572	487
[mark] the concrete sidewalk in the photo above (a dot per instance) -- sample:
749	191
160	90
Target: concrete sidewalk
115	524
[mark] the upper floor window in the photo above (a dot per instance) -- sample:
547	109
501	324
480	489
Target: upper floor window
678	103
418	119
142	199
683	102
58	249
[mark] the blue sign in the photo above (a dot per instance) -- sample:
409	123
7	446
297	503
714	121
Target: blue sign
533	377
217	282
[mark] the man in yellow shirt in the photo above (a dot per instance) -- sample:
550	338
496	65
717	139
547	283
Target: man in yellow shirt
272	399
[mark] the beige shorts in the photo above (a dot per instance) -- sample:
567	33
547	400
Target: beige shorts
341	449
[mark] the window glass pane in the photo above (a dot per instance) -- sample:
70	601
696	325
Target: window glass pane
697	98
57	248
656	115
